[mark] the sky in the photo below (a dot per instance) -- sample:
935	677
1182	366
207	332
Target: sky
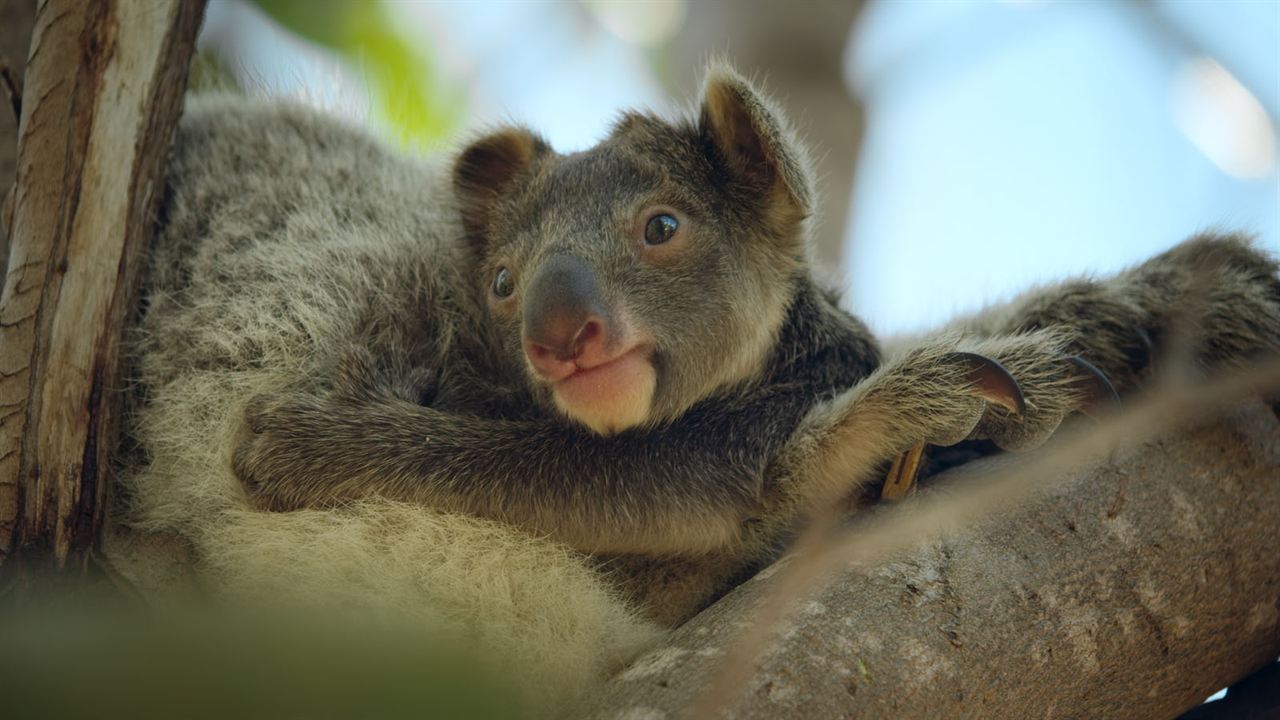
1010	144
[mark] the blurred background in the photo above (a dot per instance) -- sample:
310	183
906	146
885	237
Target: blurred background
967	150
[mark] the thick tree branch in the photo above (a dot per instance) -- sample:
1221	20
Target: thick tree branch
1133	589
102	93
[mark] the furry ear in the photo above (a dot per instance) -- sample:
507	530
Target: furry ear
755	143
486	170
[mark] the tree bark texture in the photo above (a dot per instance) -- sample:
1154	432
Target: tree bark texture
103	90
16	19
1134	589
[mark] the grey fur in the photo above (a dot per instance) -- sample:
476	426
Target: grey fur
769	399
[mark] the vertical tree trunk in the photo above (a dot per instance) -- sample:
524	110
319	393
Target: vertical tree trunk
102	93
16	20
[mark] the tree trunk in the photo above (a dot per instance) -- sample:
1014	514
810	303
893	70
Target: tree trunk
102	93
16	20
1134	589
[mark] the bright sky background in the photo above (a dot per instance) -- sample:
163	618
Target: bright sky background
1008	143
1012	143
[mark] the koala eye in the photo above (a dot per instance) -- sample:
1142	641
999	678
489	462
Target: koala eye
660	229
503	285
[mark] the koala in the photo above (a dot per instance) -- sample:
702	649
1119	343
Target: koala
654	345
625	349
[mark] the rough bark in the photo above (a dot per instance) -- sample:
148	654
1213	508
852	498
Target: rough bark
1133	589
103	90
16	19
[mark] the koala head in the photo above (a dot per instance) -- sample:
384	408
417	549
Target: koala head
652	271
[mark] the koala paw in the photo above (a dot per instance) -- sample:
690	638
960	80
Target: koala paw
965	395
283	448
1054	385
933	394
1014	391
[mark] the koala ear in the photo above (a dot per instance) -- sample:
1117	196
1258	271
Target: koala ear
486	170
755	143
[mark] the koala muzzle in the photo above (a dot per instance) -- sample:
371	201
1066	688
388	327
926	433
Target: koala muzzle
563	316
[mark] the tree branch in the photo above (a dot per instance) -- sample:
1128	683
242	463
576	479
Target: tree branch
1134	588
102	94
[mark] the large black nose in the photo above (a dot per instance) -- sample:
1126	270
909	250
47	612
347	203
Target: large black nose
563	309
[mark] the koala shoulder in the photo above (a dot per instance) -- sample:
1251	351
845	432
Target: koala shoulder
254	157
275	205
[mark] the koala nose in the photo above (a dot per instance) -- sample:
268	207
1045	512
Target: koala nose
563	316
565	349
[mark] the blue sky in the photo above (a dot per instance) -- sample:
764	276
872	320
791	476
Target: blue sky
1016	143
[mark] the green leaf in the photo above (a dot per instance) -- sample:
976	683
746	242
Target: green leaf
408	93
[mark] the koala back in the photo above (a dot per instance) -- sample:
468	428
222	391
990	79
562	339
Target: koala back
284	236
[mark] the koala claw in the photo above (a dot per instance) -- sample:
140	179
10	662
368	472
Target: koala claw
988	381
249	462
1147	358
1099	393
992	381
280	440
1010	420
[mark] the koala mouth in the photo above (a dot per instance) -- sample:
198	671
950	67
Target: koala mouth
602	372
608	396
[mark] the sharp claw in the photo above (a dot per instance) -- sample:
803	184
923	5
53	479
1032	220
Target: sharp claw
993	382
1099	392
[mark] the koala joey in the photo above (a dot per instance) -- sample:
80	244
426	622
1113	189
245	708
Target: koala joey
631	354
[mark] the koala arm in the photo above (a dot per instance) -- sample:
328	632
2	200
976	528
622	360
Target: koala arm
731	474
700	485
1221	294
938	392
688	488
1216	297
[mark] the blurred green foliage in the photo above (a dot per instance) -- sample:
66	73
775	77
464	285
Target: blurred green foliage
78	660
210	74
407	89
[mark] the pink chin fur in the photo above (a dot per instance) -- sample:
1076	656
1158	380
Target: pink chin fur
609	397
